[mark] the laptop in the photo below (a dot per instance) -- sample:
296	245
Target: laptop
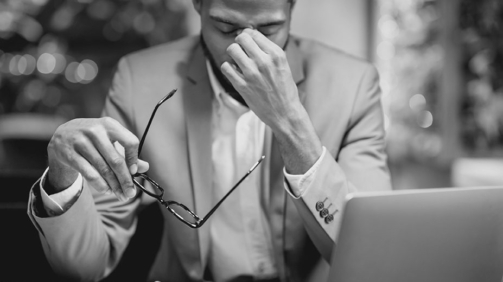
424	235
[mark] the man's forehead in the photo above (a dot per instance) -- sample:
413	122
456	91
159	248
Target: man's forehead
247	7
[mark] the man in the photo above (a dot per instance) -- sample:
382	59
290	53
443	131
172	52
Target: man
246	88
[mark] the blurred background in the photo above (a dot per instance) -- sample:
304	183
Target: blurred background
440	63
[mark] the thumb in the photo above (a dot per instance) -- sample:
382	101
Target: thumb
143	166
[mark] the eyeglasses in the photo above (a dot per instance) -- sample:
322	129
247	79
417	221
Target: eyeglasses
179	210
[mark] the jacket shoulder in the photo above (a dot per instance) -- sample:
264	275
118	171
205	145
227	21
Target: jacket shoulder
319	56
163	54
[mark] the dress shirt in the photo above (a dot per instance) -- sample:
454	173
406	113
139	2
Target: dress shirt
240	239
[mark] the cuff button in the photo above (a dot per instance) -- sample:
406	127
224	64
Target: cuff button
323	213
329	218
320	205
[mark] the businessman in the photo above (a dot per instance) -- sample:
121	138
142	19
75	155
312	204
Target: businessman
245	88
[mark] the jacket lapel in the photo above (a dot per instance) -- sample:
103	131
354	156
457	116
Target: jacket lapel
198	105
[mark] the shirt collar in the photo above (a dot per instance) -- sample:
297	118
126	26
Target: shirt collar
218	90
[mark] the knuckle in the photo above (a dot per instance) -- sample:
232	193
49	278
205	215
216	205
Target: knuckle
116	162
91	176
261	64
93	130
278	56
132	142
108	121
105	170
70	158
126	182
101	187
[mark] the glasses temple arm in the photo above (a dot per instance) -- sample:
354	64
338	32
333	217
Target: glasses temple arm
230	191
170	94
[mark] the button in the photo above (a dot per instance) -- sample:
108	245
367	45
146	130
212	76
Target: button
329	218
323	213
320	205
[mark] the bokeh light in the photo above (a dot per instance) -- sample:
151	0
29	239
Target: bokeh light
70	72
60	63
424	119
46	63
13	65
86	71
417	102
27	64
385	50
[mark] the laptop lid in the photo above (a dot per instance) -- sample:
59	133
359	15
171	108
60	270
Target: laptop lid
444	235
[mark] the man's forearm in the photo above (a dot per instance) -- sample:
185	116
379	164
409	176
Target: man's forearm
298	142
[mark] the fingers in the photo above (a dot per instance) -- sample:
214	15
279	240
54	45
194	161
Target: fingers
266	45
88	171
239	56
249	45
86	146
105	172
112	164
116	132
232	75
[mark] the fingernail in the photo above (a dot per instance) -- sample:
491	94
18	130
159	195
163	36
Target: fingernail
133	169
130	193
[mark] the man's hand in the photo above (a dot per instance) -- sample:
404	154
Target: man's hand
263	78
86	146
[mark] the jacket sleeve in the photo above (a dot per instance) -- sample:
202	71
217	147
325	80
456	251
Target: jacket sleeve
358	165
87	241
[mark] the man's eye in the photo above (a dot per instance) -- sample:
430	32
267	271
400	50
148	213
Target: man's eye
230	32
270	30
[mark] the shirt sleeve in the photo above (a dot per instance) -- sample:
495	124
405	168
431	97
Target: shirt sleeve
57	204
299	183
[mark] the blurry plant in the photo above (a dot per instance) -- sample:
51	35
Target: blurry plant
482	111
409	60
56	57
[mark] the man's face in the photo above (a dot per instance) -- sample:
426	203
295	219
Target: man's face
223	20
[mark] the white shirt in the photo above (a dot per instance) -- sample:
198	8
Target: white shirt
239	230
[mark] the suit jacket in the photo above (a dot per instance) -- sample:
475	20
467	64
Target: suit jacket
342	97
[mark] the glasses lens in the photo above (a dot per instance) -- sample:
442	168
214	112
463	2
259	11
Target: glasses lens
183	212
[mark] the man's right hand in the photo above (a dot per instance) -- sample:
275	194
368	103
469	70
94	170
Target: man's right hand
86	146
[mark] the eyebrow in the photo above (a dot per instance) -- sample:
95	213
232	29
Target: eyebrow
226	21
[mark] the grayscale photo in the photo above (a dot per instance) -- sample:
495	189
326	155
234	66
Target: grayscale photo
251	140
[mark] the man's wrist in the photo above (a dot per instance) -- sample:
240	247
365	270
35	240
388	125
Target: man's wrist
59	178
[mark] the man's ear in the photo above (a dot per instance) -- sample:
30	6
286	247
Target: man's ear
197	5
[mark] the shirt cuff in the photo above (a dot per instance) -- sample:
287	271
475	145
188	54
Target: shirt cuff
57	204
297	185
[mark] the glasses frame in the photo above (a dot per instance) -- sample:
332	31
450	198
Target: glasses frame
169	203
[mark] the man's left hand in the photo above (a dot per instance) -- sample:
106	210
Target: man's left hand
263	78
